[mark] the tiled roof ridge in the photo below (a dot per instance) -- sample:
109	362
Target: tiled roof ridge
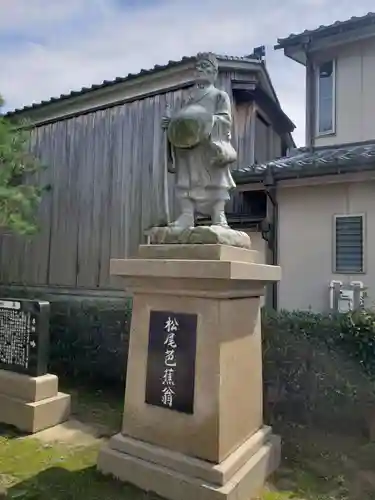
129	76
303	157
323	30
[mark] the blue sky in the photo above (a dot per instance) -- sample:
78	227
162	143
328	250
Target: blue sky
49	47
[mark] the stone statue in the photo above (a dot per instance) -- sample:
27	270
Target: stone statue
199	152
200	149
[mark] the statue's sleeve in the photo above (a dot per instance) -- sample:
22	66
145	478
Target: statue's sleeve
222	117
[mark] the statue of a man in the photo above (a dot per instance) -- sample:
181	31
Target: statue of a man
200	149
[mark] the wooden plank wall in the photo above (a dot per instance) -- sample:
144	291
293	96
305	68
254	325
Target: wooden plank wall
106	171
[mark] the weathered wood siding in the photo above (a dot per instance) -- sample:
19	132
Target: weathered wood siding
106	171
242	118
267	144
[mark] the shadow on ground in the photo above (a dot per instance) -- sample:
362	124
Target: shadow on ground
325	466
10	432
57	483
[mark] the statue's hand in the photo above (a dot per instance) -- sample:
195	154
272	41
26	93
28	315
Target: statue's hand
165	121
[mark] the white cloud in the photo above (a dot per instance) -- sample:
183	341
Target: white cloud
73	43
32	17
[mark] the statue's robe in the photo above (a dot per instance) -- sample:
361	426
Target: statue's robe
202	172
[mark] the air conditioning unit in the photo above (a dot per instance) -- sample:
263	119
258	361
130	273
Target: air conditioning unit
346	297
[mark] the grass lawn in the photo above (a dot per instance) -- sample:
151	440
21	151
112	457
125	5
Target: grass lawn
316	466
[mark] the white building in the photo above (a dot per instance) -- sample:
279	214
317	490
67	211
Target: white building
323	219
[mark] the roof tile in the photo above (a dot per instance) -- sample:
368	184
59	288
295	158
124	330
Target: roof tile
303	159
129	76
327	30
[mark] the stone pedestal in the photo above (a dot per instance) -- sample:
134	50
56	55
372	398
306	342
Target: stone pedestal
222	450
32	403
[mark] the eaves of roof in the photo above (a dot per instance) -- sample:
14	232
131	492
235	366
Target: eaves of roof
303	162
132	76
326	30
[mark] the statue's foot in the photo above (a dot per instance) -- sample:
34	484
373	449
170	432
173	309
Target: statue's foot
185	221
219	219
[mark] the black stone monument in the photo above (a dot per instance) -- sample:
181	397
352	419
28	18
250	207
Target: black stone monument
24	336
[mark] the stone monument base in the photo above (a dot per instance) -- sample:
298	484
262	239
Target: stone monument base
32	404
200	235
214	446
176	476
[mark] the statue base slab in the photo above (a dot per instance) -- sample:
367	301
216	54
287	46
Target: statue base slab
175	476
201	235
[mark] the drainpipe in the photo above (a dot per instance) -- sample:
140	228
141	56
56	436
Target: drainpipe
310	100
270	234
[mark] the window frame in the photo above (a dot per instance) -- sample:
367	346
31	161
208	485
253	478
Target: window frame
318	133
334	244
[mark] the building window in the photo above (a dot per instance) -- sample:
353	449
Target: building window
349	243
326	98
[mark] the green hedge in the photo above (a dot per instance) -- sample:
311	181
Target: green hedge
88	335
315	366
352	333
89	339
319	367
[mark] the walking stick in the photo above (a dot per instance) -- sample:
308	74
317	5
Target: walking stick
166	159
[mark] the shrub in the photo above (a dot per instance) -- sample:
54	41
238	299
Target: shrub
88	335
353	333
89	339
356	334
316	367
319	367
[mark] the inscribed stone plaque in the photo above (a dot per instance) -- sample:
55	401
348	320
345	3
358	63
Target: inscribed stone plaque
171	360
24	336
